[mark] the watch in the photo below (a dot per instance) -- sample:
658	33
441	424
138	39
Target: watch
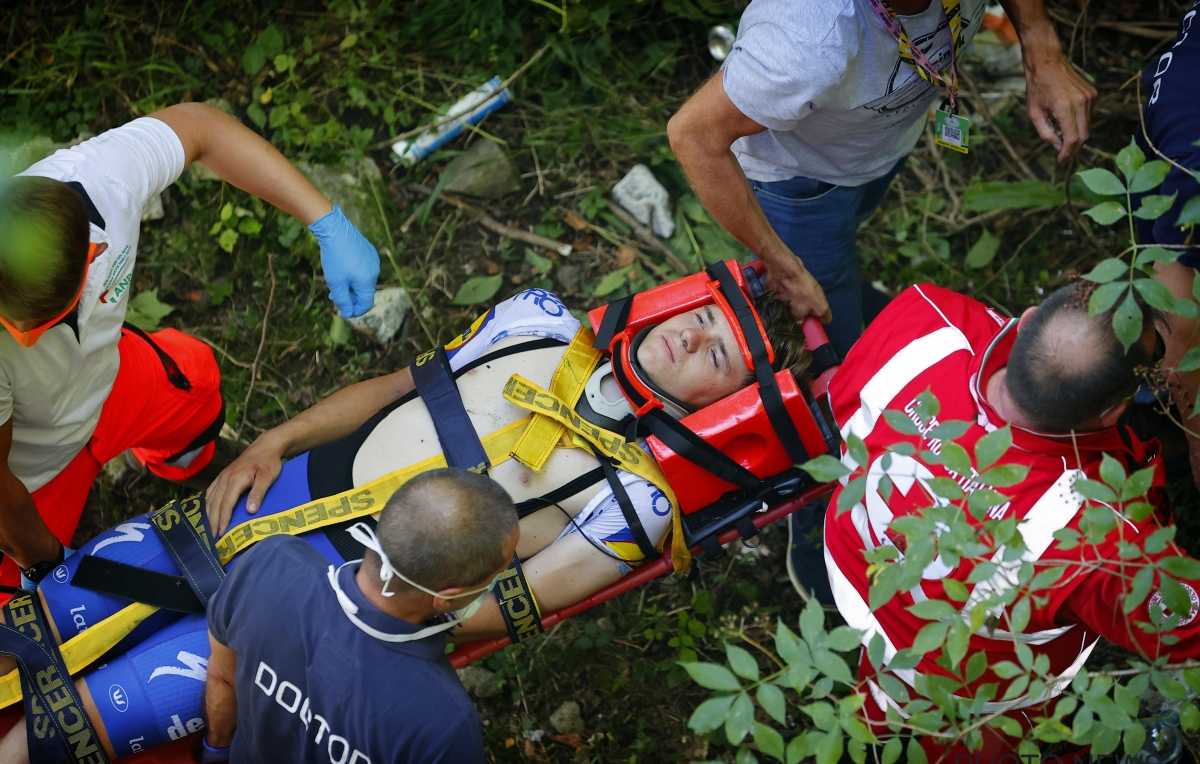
39	570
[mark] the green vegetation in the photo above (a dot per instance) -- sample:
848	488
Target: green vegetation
332	83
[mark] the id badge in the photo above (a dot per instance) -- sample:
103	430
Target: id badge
951	130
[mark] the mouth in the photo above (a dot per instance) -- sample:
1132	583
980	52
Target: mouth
670	352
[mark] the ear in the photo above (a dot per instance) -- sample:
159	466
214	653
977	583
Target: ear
448	599
1109	418
1025	316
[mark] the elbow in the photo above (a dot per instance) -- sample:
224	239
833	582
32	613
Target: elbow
678	133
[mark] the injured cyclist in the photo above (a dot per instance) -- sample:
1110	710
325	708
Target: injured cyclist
522	393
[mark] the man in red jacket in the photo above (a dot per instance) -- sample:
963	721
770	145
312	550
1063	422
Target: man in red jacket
1059	380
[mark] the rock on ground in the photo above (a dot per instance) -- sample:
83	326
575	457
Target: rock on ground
485	170
387	317
480	682
349	185
567	718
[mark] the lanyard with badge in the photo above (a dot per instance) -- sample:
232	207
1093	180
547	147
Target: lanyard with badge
950	128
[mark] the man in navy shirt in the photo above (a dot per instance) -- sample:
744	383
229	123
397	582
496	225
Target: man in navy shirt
312	663
1171	87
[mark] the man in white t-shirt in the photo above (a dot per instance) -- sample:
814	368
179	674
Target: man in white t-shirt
76	386
794	142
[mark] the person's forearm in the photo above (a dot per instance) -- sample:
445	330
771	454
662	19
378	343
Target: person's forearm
1038	36
23	534
220	698
718	180
241	157
1182	335
340	414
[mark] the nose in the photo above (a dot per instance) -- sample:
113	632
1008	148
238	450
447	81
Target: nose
692	339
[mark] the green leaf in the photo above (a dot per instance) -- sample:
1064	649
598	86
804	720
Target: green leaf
1149	255
768	741
742	662
745	756
992	446
844	639
1148	176
852	494
976	665
256	115
1005	475
711	714
946	488
891	751
1106	296
1129	159
478	289
831	665
957	641
914	753
1181	567
711	676
1189	717
955	589
825	468
1138	484
954	457
1007	670
772	701
821	713
348	42
145	310
1190	214
900	422
789	647
1135	738
1102	182
949	430
612	281
1112	472
983	250
1190	360
271	41
933	610
741	716
1127	322
1107	270
829	750
1018	617
930	637
1106	213
986	196
1154	206
812	623
857	449
253	59
1155	293
228	239
339	330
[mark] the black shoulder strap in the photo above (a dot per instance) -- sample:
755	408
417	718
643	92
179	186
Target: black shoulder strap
615	317
438	390
93	214
183	528
57	726
647	548
120	579
564	491
690	446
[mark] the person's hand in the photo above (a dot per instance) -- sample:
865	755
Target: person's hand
1059	100
792	283
256	469
350	263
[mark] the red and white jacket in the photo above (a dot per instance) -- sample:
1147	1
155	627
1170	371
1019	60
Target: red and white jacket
933	339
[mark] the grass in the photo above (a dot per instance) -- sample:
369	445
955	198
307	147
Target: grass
331	82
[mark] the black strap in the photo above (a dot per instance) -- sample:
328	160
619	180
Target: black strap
616	314
690	446
174	373
57	726
120	579
823	359
522	617
434	382
209	435
768	386
93	214
648	550
183	528
564	491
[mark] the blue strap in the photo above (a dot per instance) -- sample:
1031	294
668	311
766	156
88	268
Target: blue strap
183	528
57	727
435	384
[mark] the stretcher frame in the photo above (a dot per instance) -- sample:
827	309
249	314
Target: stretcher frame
817	342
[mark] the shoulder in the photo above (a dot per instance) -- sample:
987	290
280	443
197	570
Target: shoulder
93	156
824	23
273	560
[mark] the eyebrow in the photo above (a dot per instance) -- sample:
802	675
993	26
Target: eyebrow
708	314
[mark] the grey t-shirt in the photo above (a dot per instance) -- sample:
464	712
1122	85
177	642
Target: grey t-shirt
826	80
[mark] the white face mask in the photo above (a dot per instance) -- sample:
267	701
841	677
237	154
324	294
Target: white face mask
362	533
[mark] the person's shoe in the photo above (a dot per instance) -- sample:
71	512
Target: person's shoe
806	555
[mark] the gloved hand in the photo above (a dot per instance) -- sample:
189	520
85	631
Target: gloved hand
211	754
350	262
30	585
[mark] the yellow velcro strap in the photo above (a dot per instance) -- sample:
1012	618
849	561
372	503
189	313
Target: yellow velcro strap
628	455
542	435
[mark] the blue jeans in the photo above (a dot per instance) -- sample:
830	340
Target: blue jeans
819	221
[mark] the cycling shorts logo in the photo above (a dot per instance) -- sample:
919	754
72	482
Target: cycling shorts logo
60	574
118	698
1159	611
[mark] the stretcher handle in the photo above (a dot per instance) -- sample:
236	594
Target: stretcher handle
825	358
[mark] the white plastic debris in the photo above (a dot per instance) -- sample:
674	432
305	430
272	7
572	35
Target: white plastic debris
640	193
470	109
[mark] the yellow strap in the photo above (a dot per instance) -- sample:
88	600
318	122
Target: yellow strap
543	434
629	456
86	647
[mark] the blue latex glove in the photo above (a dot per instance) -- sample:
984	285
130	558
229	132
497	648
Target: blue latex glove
31	586
211	754
350	262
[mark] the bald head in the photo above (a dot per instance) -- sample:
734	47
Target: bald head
447	528
1067	367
